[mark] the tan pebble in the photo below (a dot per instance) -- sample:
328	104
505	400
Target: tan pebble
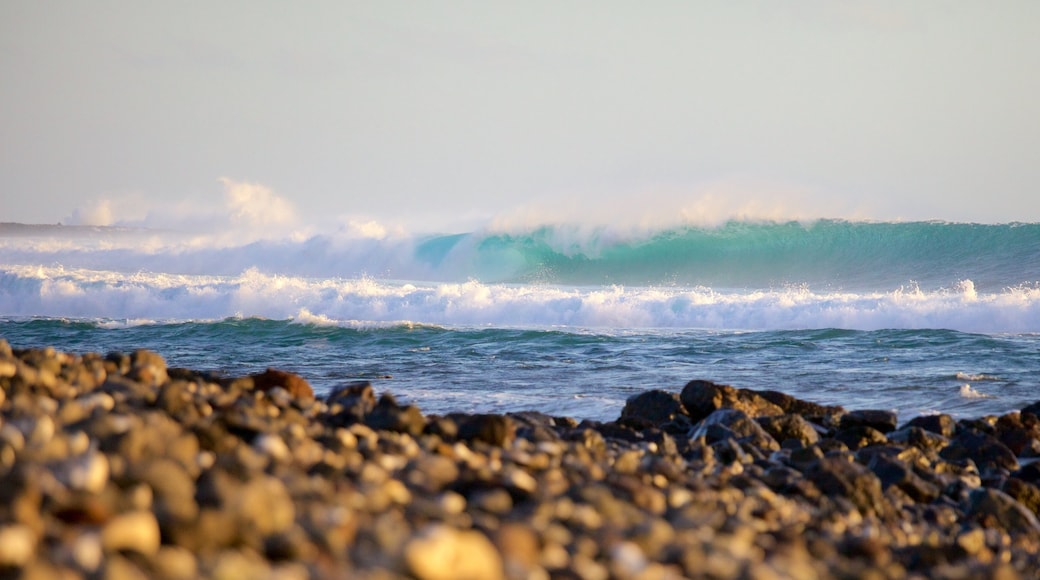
17	545
972	542
135	531
452	503
8	369
265	505
443	553
521	480
518	543
87	472
347	439
12	436
589	569
176	563
628	559
235	565
555	556
272	446
93	401
42	432
87	551
397	492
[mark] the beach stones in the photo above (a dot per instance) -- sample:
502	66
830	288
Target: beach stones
108	468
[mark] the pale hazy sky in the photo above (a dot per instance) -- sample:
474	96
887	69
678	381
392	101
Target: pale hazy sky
131	111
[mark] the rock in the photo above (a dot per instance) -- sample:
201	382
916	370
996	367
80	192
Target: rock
991	506
702	398
351	402
387	415
86	472
1024	493
859	436
136	531
883	421
497	430
439	552
148	368
807	409
839	477
790	427
296	385
920	438
985	450
655	407
1033	409
17	545
940	424
893	472
264	505
733	423
1022	437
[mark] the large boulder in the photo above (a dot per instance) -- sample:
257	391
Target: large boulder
656	407
985	450
883	421
941	424
837	476
790	428
702	398
734	424
296	385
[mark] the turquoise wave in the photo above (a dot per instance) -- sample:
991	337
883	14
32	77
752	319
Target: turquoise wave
741	254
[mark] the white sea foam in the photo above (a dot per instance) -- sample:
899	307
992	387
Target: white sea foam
975	378
86	293
967	392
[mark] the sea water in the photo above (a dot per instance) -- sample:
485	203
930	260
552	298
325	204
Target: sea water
919	317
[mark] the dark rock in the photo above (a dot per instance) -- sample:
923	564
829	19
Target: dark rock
991	507
1033	409
442	427
655	407
985	450
1030	472
941	424
891	471
883	421
985	425
351	402
859	436
837	476
702	398
735	424
497	430
812	411
1022	437
296	385
1025	493
387	415
919	438
787	427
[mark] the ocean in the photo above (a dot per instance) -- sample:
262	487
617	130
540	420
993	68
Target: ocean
917	317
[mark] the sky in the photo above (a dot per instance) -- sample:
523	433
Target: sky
443	114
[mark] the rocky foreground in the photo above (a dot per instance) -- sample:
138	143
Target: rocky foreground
119	467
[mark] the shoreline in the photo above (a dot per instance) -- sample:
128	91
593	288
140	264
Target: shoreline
115	465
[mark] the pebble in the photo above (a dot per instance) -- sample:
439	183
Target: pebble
442	553
132	531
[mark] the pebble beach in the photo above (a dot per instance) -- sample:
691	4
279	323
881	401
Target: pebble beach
116	466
